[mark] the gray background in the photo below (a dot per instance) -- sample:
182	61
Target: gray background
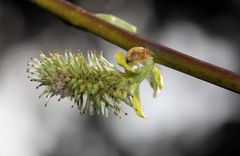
190	117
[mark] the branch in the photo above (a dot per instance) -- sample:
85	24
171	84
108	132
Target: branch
81	18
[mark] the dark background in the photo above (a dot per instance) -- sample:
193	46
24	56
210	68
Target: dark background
190	117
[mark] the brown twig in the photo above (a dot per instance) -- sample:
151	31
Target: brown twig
81	18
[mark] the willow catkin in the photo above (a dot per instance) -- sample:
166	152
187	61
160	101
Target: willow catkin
92	83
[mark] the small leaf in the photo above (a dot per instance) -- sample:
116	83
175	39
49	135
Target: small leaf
158	77
119	57
136	103
117	22
156	81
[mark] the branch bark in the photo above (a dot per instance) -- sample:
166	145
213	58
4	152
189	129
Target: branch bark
81	18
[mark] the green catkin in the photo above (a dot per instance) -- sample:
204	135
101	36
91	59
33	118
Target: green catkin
93	83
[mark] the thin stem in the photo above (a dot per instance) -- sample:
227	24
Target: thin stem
81	18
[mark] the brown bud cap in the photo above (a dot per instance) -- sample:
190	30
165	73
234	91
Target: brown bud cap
137	53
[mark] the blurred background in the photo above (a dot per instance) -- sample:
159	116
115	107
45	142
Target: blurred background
190	117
